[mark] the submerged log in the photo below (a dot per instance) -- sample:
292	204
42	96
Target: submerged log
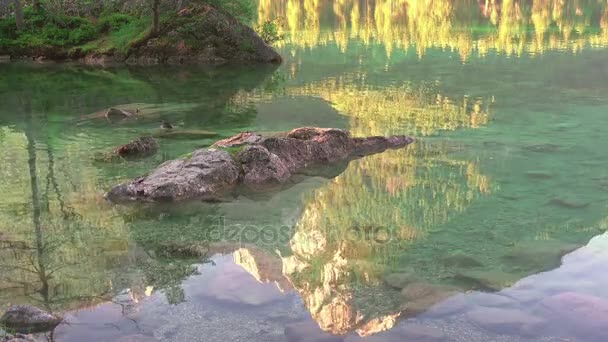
259	164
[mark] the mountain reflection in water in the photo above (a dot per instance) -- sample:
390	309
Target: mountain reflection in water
507	100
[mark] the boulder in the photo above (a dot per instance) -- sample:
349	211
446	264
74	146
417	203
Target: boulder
207	174
28	319
203	35
259	164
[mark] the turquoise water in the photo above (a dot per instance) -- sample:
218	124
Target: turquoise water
493	220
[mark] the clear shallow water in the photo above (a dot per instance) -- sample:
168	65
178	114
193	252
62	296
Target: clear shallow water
508	175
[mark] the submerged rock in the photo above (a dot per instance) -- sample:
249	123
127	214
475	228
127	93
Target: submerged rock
486	280
400	280
568	203
139	148
537	256
461	260
542	148
259	164
185	134
117	114
419	297
28	319
16	338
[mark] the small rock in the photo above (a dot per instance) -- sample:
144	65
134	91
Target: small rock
27	319
537	174
567	203
543	148
461	260
505	321
486	280
538	256
490	300
450	306
400	280
5	59
117	114
419	297
185	134
18	338
309	331
523	296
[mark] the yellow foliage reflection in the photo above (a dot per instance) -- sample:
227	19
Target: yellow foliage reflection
353	230
390	110
512	27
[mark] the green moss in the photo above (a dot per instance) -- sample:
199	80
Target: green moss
233	151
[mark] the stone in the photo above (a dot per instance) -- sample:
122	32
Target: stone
264	165
142	147
455	304
585	315
568	203
400	280
185	134
490	300
505	321
486	280
263	169
419	297
117	114
18	338
207	174
536	256
539	174
28	319
542	148
461	260
220	39
309	331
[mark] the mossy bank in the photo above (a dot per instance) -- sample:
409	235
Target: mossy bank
197	34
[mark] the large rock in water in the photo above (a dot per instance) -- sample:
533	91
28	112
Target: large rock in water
29	319
203	35
258	163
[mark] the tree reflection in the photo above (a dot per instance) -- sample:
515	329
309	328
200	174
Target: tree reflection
512	27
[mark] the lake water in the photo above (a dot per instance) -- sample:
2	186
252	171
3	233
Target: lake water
493	222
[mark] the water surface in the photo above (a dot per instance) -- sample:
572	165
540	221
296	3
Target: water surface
507	101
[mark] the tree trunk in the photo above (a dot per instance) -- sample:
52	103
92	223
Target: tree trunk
155	15
19	14
180	5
